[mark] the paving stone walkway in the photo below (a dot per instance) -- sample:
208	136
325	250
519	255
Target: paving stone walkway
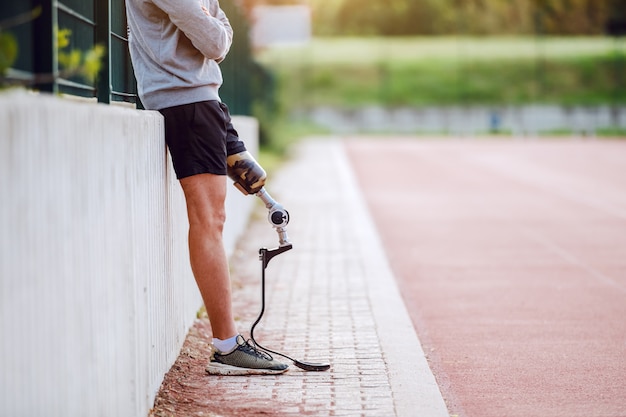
331	299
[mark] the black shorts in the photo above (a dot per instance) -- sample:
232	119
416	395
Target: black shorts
200	136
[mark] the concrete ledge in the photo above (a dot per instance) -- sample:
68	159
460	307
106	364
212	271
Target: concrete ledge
96	293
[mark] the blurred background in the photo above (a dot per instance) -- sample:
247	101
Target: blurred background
450	67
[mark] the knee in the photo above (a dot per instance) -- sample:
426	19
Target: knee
208	223
212	222
205	196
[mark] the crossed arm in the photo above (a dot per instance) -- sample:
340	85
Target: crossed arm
203	22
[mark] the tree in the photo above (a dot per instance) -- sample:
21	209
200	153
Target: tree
572	17
474	17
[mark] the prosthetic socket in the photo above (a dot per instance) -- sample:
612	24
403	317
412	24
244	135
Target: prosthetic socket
249	178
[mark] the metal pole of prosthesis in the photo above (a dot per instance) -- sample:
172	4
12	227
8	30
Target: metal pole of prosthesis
266	255
277	216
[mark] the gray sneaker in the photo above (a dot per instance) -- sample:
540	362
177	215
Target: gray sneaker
244	359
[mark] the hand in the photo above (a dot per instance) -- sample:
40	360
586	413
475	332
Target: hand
212	10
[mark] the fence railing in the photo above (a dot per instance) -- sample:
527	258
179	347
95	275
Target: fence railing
91	22
103	22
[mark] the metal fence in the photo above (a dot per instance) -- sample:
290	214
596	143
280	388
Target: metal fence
103	22
245	80
91	22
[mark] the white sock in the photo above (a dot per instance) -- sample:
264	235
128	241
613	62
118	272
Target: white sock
227	345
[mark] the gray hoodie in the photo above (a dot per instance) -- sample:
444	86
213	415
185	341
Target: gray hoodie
175	47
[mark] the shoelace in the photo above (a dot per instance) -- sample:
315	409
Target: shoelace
250	347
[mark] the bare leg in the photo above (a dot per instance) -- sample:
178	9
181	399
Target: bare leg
205	195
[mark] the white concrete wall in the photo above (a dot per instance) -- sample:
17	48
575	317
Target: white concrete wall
96	293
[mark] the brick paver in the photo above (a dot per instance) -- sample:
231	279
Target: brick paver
331	299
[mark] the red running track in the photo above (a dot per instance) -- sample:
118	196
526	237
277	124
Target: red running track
511	257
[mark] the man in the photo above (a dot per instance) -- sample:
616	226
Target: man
176	46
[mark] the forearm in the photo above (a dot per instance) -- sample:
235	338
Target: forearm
208	29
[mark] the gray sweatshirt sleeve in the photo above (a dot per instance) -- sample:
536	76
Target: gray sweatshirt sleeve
210	33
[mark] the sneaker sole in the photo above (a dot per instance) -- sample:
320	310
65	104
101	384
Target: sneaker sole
222	369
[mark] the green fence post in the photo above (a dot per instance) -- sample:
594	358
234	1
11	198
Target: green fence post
45	56
103	37
237	68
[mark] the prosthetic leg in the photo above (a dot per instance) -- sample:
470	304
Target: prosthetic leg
249	178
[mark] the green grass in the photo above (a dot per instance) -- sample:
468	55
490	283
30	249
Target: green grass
615	132
437	71
447	70
368	51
